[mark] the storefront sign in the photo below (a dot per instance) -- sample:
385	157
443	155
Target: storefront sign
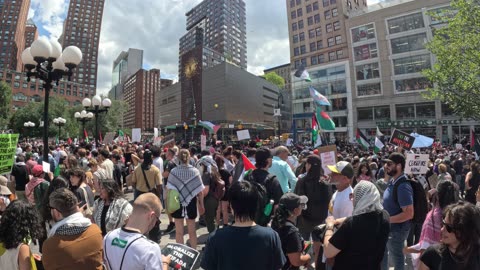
416	164
400	138
417	123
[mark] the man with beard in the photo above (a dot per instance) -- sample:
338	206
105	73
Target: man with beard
400	210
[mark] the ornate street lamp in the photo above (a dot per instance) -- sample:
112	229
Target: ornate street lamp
96	106
27	126
83	117
59	121
44	60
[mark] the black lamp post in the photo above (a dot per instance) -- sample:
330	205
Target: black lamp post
83	117
59	122
96	106
44	60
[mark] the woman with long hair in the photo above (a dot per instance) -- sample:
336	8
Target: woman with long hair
289	209
57	182
364	172
83	192
187	180
223	204
443	196
472	182
19	225
460	236
111	210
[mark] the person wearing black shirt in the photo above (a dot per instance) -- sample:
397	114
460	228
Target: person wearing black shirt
360	241
20	177
289	209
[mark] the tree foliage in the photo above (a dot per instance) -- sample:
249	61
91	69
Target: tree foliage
275	79
5	104
456	73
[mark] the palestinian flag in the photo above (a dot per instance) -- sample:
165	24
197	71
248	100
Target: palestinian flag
318	98
210	126
378	145
302	73
248	167
362	140
379	133
86	135
324	120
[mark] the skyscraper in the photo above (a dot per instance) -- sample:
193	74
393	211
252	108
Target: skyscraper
31	33
126	64
219	25
82	29
13	17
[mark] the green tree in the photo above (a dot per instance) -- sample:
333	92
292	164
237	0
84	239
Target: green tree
275	79
5	104
456	73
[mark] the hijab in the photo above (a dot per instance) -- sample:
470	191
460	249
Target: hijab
366	198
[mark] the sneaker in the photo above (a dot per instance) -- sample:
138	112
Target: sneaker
170	228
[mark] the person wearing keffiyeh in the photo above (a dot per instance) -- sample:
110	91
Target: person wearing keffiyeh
187	181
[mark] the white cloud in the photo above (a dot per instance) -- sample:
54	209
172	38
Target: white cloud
50	14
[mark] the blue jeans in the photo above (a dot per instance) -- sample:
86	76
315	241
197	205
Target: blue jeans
396	242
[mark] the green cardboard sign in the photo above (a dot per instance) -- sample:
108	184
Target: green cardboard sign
8	146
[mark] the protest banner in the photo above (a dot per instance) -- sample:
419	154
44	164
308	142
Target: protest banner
136	134
182	257
243	134
416	163
109	137
328	155
400	138
458	146
8	147
203	142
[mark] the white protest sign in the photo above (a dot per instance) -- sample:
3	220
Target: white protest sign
458	146
155	132
136	134
243	134
416	163
109	137
328	155
203	142
289	142
46	167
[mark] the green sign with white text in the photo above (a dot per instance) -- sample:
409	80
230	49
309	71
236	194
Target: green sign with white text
8	146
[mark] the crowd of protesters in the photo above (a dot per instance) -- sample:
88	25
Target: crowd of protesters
288	212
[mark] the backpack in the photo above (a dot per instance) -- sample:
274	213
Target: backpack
420	204
263	198
39	192
218	186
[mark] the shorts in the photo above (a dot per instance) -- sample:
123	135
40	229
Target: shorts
191	210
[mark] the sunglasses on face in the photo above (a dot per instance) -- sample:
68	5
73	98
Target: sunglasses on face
448	227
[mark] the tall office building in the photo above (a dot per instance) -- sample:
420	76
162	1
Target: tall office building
219	25
126	64
139	93
82	29
31	33
13	17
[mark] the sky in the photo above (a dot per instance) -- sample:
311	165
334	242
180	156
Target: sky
156	27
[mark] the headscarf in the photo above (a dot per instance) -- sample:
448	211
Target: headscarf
366	198
208	162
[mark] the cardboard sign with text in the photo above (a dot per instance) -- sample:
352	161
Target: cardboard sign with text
416	163
328	155
203	142
243	134
400	138
8	146
109	137
182	257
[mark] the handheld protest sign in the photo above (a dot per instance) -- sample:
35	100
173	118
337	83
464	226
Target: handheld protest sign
416	163
182	257
8	146
400	138
328	155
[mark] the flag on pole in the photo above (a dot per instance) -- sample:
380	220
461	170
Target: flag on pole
324	120
248	167
210	126
362	140
101	139
86	135
379	133
472	138
318	98
302	73
57	141
378	145
314	130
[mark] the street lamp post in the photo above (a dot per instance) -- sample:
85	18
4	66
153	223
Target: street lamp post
44	60
96	106
83	117
28	125
59	121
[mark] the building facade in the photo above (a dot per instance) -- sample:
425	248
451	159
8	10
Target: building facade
82	29
13	17
389	54
219	25
139	94
126	64
285	100
31	33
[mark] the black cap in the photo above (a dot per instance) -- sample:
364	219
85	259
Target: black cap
396	158
291	200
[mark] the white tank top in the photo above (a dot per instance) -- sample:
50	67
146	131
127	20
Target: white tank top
9	259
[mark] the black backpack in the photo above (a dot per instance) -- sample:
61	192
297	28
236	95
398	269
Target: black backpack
420	204
264	198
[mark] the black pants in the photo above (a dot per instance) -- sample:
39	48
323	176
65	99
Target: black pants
414	234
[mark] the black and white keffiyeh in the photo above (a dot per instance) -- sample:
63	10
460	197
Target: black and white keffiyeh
366	198
187	181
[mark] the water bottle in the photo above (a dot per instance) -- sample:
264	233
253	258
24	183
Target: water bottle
268	208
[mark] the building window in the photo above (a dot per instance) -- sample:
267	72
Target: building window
299	12
302	36
330	42
303	49
364	52
303	61
321	58
299	2
294	26
412	64
296	51
367	71
446	110
319	44
365	114
425	110
332	56
369	89
309	8
313	47
338	39
406	23
293	14
315	5
300	24
311	33
414	84
317	18
334	12
329	28
295	38
327	15
336	26
409	43
326	3
313	60
405	111
339	104
310	20
318	31
339	54
363	33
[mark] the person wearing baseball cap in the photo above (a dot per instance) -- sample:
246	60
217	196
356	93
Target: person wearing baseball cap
36	187
289	208
342	173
